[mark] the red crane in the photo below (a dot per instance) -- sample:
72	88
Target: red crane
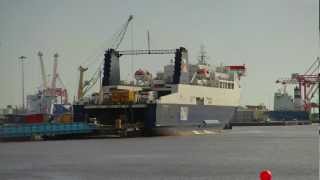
308	83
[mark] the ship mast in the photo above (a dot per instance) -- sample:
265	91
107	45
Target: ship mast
319	58
203	56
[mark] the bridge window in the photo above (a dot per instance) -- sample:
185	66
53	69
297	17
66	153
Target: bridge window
199	101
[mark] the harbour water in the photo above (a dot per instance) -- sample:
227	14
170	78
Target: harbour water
290	152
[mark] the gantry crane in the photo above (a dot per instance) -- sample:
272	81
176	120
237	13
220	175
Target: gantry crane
52	90
58	92
308	83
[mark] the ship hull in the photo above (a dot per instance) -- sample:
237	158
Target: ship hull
163	119
173	119
288	115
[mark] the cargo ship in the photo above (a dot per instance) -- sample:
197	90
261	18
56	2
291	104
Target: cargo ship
183	96
287	108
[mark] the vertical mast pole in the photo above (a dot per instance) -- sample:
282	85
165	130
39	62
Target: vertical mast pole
22	58
318	62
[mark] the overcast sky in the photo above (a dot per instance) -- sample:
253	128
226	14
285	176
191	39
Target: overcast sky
274	38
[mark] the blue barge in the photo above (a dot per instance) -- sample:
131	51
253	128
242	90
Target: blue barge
45	129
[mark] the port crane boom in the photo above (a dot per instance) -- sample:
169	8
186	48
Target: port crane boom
43	72
81	84
120	35
54	73
117	38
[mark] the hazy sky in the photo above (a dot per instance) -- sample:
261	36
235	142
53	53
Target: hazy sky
274	38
